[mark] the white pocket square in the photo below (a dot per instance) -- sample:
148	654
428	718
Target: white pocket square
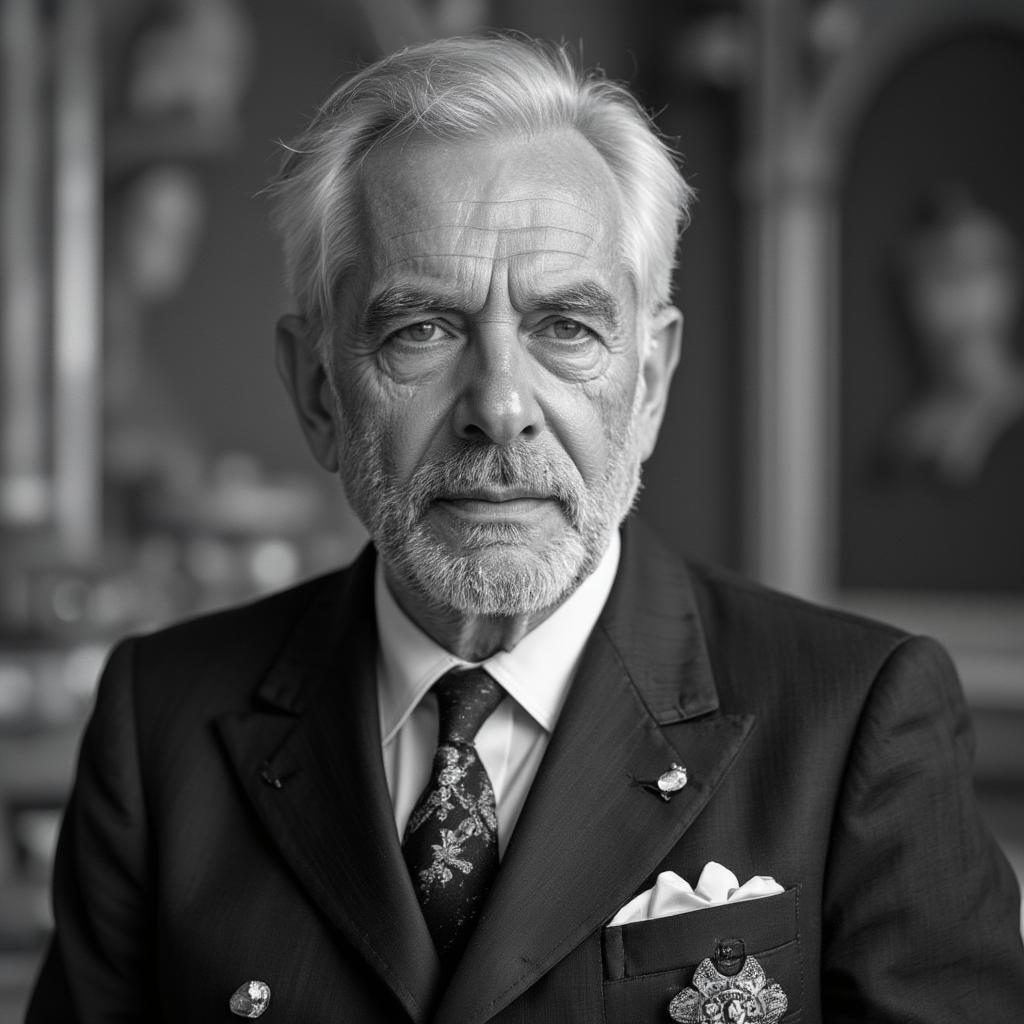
674	895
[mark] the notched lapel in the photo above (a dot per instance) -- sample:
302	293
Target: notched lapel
315	779
590	834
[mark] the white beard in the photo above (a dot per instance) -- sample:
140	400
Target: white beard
495	572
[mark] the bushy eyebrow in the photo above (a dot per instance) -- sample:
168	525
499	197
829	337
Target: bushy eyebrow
394	303
585	299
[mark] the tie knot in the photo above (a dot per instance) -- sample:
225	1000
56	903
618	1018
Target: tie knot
464	701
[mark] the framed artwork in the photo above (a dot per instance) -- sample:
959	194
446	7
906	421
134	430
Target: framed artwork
888	458
931	365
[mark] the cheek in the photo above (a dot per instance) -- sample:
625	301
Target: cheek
406	428
593	426
417	427
616	403
397	404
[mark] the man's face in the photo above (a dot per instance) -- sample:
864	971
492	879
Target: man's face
487	370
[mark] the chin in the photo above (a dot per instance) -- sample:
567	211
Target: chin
497	576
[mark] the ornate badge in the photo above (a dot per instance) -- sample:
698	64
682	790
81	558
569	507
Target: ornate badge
250	999
748	997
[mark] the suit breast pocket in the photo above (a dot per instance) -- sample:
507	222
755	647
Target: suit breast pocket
648	963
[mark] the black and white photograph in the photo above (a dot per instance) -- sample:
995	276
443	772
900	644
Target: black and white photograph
511	511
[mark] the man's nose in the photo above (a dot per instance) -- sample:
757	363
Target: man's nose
498	402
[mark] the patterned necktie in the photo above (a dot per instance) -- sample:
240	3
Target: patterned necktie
451	840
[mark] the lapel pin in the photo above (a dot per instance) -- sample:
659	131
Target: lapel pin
667	783
731	988
250	999
673	780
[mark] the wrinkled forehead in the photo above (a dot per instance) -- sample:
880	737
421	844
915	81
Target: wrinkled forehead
497	229
550	198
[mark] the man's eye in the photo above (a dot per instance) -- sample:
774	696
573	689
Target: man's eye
564	329
419	333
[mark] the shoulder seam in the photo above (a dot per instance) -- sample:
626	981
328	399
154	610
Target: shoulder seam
761	592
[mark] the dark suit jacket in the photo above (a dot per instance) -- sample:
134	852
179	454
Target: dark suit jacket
231	821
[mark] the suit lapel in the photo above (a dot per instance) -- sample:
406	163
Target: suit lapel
589	834
315	778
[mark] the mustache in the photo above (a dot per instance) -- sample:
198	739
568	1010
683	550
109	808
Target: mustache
521	465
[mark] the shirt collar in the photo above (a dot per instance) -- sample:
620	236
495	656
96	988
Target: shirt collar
536	673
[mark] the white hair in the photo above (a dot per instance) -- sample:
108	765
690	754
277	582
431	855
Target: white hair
493	86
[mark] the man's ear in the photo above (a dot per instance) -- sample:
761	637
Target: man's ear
660	357
304	376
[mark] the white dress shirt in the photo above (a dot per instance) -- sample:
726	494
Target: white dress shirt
535	676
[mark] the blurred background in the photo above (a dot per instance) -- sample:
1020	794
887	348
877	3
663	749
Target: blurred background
847	422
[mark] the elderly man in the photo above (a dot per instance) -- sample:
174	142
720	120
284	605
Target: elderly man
440	785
